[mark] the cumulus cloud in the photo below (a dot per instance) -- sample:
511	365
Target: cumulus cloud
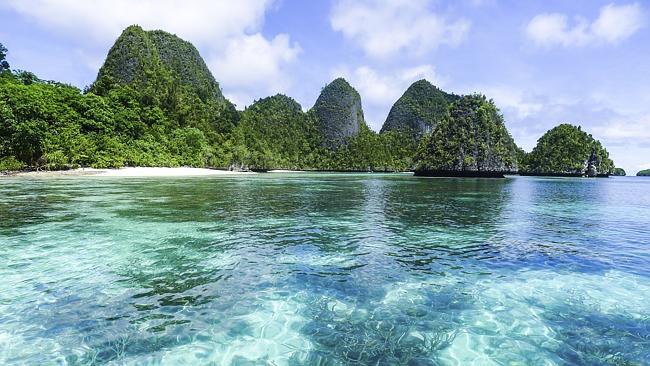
626	138
198	20
385	28
516	100
227	32
615	23
379	90
529	115
625	128
253	65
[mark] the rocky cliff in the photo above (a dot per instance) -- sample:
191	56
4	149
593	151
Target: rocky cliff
472	140
158	60
418	110
339	113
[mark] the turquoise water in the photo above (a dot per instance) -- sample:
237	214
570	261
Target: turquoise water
324	269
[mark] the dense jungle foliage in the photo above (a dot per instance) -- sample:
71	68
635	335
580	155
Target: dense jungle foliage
155	103
472	137
567	149
418	110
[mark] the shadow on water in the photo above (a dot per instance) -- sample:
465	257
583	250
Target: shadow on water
403	328
442	225
589	336
173	275
23	205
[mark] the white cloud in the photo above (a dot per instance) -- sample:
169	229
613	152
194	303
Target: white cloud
198	20
227	32
625	128
385	28
379	90
529	115
256	65
614	24
515	100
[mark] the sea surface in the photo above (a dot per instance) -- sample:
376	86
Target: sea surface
324	269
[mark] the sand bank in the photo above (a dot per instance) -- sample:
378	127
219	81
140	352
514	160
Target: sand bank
132	172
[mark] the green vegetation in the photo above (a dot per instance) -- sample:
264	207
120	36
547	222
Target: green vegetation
47	125
155	103
273	133
418	110
414	115
568	150
619	172
338	112
643	173
4	65
167	75
471	139
160	60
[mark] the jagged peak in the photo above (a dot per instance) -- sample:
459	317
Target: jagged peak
137	52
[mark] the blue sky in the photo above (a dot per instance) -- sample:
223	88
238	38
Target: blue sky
585	62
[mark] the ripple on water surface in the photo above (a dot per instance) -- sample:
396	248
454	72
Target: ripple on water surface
324	269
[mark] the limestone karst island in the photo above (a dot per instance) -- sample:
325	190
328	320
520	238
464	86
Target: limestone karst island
332	182
156	103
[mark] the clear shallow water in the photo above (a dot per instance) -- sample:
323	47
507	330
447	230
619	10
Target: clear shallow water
324	269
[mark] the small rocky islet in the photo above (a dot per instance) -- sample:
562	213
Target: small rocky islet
156	103
471	140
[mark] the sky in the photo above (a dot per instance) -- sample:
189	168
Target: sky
585	62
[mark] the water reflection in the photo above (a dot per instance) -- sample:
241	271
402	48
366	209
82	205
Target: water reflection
324	269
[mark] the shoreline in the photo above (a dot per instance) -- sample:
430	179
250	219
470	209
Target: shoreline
132	172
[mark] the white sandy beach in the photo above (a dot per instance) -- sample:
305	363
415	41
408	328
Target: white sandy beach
286	171
132	172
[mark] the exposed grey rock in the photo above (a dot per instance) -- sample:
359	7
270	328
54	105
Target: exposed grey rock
418	110
339	113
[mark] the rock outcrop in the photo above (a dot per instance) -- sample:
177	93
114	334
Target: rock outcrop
339	115
567	150
471	141
158	60
418	110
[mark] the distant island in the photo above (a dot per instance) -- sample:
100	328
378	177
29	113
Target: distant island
155	103
643	173
567	150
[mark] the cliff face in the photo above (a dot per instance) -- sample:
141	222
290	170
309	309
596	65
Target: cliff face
568	150
156	59
472	140
418	110
339	113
